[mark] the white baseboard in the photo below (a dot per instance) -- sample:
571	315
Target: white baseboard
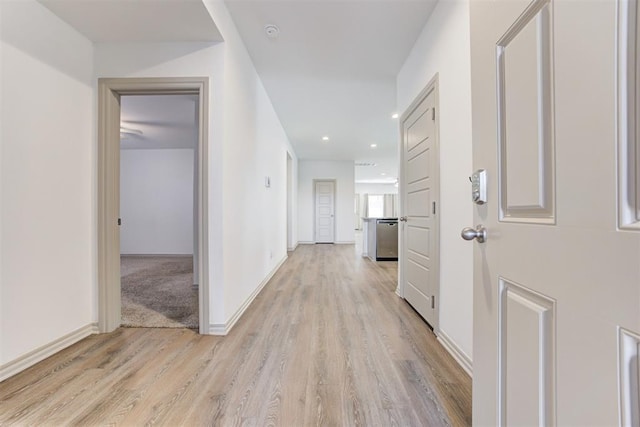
217	329
224	328
293	248
456	352
15	366
158	255
346	242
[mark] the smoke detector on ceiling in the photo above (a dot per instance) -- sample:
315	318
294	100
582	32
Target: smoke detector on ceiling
272	31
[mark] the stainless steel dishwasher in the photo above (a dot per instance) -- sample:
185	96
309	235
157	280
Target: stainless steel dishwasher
387	239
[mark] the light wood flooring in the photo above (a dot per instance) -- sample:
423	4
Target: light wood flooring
327	342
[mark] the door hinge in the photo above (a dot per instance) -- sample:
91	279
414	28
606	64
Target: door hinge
433	207
433	113
119	221
433	302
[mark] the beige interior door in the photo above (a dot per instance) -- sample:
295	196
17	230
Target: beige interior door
420	193
556	283
325	211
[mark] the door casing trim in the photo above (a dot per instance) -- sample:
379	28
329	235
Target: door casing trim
109	92
335	194
432	86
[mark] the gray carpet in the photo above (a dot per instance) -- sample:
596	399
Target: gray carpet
158	292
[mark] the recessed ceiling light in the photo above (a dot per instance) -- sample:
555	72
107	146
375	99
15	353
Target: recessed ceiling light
394	116
325	138
383	174
373	145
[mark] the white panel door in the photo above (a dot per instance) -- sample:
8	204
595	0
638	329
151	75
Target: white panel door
419	257
325	211
556	284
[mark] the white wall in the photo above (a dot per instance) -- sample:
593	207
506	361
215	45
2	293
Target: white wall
2	81
376	188
156	201
255	147
344	174
443	47
47	176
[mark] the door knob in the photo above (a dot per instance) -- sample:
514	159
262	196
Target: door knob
479	233
403	218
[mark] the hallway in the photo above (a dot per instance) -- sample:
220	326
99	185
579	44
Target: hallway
327	342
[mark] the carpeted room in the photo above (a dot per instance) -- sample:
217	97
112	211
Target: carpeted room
158	140
158	292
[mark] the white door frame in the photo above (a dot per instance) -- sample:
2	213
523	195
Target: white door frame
335	192
290	243
431	86
109	93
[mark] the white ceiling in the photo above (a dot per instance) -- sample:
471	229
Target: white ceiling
165	121
332	71
105	21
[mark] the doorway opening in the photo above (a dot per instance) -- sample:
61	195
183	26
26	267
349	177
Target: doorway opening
110	97
290	242
325	196
158	201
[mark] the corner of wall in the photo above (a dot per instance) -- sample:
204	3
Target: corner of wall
456	352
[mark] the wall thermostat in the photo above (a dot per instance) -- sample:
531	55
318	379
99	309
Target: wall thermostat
479	187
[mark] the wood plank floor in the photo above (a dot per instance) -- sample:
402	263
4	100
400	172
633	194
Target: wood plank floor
327	342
